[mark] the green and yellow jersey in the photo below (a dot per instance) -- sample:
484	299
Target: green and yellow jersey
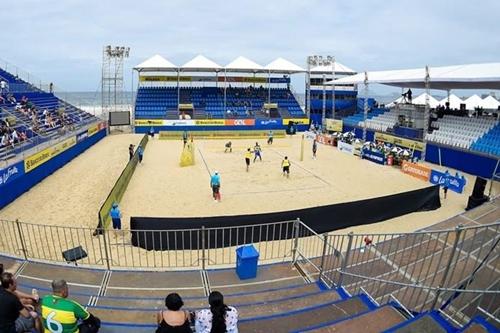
60	315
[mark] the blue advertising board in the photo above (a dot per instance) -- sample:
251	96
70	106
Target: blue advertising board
373	156
268	123
453	183
11	173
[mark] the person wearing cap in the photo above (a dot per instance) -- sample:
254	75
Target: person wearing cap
116	217
215	184
140	153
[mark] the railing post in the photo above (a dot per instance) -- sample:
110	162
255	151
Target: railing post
21	237
106	254
296	225
203	246
321	268
458	231
346	258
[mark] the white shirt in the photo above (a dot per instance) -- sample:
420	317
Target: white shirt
3	84
203	323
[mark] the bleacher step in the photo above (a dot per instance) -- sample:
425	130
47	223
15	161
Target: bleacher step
423	324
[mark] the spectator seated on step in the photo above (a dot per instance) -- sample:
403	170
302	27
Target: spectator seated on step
173	319
220	318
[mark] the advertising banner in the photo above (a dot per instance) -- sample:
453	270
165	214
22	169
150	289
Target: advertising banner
267	123
11	173
441	178
416	170
345	147
240	122
373	156
92	130
210	122
325	139
149	122
81	136
43	156
243	79
164	122
298	121
407	143
334	125
310	135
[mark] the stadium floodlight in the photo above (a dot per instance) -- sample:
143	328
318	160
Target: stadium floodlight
323	61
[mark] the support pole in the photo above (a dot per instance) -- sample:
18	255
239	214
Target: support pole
333	89
203	247
346	258
225	93
365	113
296	226
458	231
322	264
21	238
178	89
323	110
426	111
106	251
308	90
269	87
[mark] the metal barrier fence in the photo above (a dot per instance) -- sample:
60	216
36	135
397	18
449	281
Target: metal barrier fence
456	272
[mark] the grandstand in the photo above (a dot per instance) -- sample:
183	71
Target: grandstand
35	116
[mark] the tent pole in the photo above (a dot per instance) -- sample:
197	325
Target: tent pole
178	89
365	113
323	110
427	110
333	88
269	87
225	93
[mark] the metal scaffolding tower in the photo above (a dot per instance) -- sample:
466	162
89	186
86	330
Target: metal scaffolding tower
112	79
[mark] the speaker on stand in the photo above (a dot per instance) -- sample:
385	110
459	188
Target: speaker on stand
477	198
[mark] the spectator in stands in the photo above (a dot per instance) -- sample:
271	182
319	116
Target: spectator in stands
173	320
51	87
220	318
14	316
2	99
116	216
60	314
3	87
11	99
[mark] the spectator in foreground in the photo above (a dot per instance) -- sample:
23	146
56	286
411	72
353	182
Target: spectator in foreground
220	318
116	217
130	152
61	314
14	316
173	320
140	153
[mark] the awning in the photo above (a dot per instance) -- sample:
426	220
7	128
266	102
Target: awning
201	63
284	66
472	76
155	64
242	64
340	69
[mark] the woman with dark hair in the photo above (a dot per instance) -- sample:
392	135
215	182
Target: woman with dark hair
220	318
173	320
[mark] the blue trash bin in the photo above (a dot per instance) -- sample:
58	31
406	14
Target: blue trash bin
247	258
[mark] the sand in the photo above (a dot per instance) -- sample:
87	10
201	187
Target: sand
73	195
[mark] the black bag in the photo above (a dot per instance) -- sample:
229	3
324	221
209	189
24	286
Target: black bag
91	325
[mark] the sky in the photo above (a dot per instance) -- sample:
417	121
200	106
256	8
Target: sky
62	41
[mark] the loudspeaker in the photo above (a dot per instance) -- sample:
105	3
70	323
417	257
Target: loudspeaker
74	254
479	187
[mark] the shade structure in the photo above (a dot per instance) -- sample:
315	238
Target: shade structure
200	63
156	64
281	65
490	103
340	69
421	99
242	64
471	76
455	101
473	102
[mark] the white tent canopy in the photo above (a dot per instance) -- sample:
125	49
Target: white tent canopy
421	100
155	64
200	63
490	103
473	102
242	64
281	65
455	101
472	76
328	69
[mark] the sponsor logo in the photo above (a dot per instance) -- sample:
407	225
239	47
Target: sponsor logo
210	122
345	147
92	130
268	122
39	158
82	136
9	174
298	121
240	122
416	170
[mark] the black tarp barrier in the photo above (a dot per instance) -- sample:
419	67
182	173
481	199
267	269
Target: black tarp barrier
252	228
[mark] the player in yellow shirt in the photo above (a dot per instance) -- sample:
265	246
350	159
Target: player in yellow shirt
285	164
248	156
